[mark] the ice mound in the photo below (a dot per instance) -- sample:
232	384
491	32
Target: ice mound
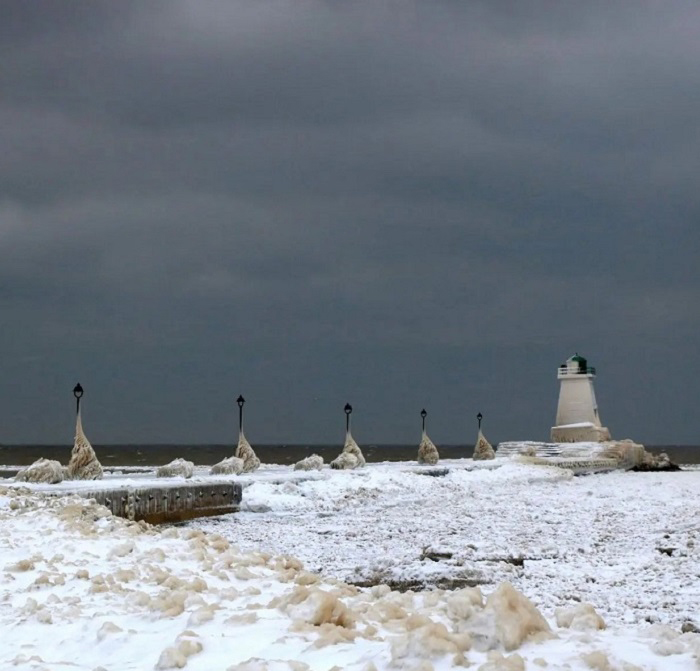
311	463
317	606
497	662
42	470
246	453
582	617
176	468
258	664
427	639
483	449
228	466
175	656
508	619
351	457
83	464
427	452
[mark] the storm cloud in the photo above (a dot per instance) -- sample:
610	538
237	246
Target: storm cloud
397	204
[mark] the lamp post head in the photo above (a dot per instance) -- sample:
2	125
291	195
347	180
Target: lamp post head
77	390
479	417
240	400
348	409
423	413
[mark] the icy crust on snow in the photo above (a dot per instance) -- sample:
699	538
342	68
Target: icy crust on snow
81	589
625	542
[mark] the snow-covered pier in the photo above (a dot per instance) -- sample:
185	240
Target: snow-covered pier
153	500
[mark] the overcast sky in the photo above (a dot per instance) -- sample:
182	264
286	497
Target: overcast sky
396	204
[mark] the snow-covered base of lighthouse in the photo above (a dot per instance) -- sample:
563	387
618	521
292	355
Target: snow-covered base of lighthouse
590	456
579	432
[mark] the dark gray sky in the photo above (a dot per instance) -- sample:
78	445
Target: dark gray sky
396	204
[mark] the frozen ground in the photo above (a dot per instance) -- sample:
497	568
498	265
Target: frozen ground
624	541
82	590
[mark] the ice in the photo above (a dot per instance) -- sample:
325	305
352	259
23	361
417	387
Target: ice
505	567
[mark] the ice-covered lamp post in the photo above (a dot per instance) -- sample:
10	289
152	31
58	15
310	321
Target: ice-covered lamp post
348	412
240	400
351	456
482	448
83	464
77	392
427	452
244	451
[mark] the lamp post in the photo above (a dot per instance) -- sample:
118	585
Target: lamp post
423	415
77	392
240	400
348	411
479	417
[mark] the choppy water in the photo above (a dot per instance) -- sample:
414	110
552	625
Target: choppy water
113	456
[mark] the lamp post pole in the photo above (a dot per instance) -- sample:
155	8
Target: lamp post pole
479	417
348	411
423	415
240	400
77	392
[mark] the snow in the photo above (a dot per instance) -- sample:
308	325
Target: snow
576	425
269	587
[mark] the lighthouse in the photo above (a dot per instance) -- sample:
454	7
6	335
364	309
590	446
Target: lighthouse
578	419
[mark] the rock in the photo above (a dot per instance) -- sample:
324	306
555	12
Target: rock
42	470
483	449
656	462
427	452
689	627
311	463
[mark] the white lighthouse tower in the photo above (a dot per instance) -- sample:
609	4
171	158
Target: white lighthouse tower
577	414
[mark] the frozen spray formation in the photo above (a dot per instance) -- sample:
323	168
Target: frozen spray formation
427	452
83	464
351	456
246	454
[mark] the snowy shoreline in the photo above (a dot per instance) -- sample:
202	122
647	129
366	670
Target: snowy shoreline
218	592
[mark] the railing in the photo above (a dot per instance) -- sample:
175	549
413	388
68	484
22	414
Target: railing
589	370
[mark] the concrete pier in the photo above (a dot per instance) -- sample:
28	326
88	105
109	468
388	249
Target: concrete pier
157	505
154	500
